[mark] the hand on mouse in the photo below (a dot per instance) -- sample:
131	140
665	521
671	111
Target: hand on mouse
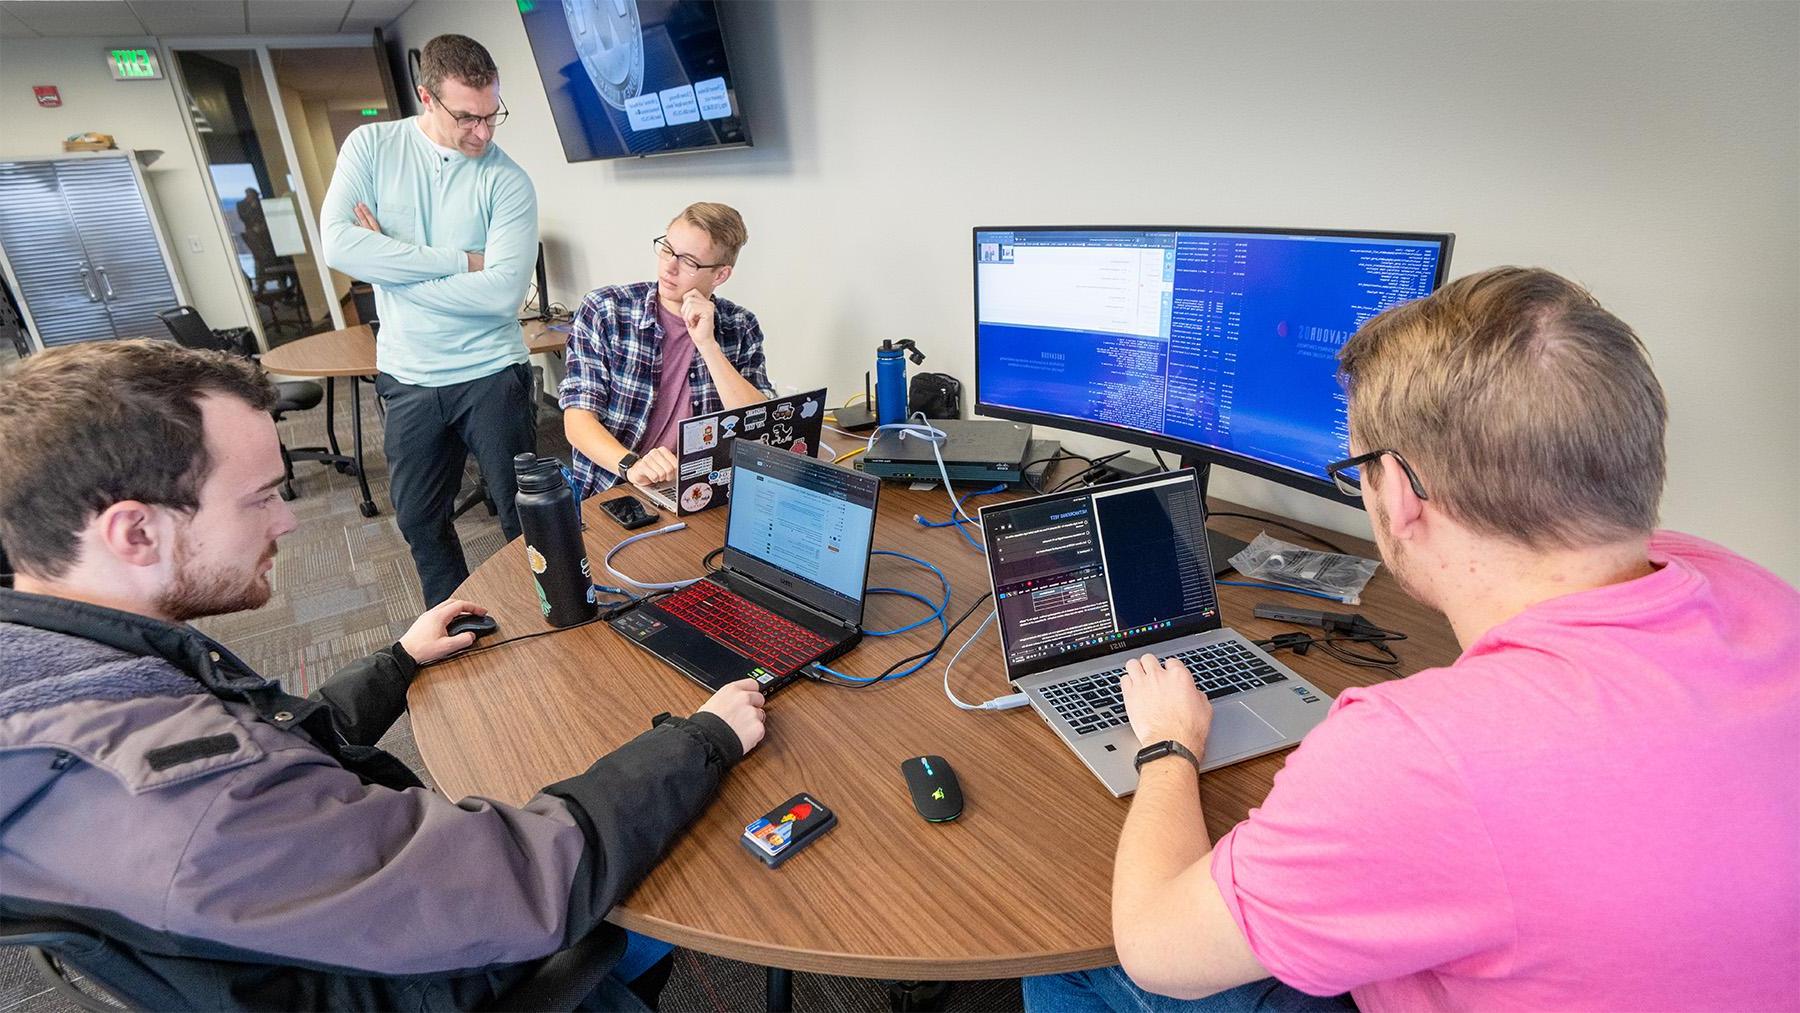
654	468
740	705
429	639
1163	703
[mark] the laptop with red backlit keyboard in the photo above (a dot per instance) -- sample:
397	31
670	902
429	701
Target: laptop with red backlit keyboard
790	591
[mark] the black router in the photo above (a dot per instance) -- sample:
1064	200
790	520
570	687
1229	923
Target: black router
986	452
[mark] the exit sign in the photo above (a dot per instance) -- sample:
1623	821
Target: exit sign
371	112
133	64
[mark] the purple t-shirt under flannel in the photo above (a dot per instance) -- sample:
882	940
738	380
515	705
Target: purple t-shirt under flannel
670	405
614	361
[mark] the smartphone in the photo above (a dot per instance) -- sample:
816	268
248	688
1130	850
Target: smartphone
628	511
787	829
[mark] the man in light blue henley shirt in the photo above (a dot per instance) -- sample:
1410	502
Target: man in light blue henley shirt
444	225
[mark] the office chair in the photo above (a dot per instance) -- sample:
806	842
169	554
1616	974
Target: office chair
60	951
190	331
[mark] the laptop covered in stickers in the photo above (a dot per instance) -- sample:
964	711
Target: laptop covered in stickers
703	447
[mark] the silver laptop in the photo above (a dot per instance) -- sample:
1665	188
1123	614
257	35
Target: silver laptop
1085	580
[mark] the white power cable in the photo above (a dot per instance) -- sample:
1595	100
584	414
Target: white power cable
648	586
999	703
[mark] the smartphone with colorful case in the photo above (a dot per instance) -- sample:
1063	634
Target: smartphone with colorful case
785	830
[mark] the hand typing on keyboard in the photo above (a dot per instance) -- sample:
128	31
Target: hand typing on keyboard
1162	702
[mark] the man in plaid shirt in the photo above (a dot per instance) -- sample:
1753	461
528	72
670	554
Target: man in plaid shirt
643	357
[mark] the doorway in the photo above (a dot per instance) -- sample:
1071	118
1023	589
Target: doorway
268	120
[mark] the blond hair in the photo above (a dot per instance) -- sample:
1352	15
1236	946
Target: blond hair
721	223
1528	410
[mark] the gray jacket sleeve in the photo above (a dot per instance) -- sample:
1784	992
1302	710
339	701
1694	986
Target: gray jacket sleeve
297	858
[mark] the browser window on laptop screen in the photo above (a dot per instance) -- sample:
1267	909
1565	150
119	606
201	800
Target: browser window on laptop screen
803	517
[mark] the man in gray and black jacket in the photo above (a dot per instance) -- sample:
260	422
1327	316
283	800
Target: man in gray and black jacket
238	846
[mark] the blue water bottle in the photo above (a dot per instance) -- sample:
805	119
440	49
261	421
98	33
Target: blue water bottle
890	379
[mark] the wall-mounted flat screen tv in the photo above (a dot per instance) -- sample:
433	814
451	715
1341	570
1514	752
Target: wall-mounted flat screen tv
629	78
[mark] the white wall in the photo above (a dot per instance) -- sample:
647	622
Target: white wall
1650	151
138	114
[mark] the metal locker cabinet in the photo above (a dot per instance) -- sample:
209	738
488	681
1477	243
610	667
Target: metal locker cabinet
80	238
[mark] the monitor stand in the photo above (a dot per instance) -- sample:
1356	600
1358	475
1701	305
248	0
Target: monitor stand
1221	547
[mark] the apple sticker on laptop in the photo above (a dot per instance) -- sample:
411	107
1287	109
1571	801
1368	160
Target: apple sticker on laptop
809	409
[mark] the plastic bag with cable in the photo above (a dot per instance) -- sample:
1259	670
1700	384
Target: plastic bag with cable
1329	573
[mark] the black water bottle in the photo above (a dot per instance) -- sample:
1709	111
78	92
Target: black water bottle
549	517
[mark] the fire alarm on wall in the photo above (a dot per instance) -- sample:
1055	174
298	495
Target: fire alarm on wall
47	95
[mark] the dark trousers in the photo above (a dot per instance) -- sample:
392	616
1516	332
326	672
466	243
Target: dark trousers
430	433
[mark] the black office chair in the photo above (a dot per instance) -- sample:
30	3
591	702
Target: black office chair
111	980
190	331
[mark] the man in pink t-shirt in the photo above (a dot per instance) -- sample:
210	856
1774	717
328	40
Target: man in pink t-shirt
1595	807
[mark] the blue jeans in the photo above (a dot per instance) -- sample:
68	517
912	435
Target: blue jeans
1108	989
640	953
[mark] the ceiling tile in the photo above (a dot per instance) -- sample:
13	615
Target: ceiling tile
75	17
367	15
13	28
297	17
191	17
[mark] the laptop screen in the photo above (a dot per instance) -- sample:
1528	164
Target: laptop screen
1099	571
802	526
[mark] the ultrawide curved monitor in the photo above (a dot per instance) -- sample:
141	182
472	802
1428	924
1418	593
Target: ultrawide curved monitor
1219	344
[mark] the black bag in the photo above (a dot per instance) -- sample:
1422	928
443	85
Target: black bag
938	395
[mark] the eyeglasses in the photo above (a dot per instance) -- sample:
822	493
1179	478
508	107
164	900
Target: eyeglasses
688	264
1351	485
467	121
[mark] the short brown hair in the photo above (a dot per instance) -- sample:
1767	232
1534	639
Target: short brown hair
90	425
1529	411
721	223
459	58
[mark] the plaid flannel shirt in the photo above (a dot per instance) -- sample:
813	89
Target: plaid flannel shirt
615	355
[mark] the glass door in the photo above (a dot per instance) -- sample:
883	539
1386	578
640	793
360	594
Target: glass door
324	94
254	180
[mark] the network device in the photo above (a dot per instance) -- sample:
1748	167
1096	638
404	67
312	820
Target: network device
1217	344
793	581
1084	580
977	451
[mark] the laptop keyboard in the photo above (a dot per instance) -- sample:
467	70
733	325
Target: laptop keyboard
1094	703
772	641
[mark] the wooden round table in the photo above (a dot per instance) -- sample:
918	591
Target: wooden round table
1018	885
350	353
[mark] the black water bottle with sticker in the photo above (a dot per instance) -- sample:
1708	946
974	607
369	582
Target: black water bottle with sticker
551	522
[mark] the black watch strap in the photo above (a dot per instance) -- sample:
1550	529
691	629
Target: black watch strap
1167	747
627	461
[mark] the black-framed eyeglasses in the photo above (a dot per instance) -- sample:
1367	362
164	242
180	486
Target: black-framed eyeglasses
1350	484
663	249
467	121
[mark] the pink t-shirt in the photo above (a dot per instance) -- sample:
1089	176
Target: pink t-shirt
671	402
1596	807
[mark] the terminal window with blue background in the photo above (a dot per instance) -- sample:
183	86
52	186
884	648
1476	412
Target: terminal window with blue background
1228	340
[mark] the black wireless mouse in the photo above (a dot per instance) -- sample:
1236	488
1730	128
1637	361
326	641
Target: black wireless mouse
935	792
469	622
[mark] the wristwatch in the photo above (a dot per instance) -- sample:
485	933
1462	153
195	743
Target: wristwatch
627	461
1167	747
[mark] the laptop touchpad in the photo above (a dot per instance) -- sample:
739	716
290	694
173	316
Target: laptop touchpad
1237	729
